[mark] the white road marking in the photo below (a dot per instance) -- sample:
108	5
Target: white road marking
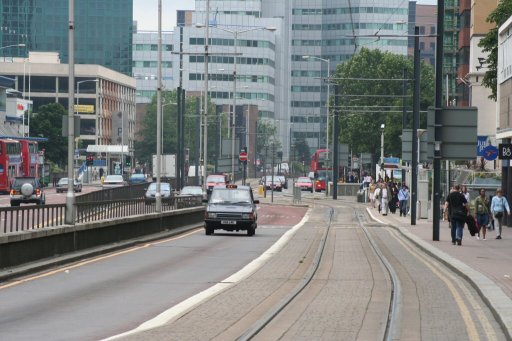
181	308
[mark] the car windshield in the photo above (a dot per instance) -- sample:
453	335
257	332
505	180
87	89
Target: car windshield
215	178
164	186
192	190
63	181
137	176
304	179
230	196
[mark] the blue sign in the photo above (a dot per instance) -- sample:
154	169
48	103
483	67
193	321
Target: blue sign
481	144
490	153
392	160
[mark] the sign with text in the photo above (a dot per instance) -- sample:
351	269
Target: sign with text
505	151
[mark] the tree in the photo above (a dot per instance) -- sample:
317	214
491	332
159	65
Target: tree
47	122
489	44
145	148
369	98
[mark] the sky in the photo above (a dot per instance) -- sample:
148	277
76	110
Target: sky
146	12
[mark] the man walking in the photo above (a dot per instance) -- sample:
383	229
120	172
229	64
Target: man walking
456	202
403	198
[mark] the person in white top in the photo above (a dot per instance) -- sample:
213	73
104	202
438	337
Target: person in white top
466	193
499	205
385	196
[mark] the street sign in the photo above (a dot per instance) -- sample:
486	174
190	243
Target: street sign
243	156
505	151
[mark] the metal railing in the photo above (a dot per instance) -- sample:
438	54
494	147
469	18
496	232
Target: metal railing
17	219
119	193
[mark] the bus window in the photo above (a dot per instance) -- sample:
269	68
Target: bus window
11	171
32	170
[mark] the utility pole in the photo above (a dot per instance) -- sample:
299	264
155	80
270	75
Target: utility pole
437	129
70	195
335	139
415	125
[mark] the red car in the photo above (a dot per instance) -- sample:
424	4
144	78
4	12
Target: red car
304	183
320	184
216	180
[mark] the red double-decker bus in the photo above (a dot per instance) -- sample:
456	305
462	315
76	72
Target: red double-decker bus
30	157
10	162
319	160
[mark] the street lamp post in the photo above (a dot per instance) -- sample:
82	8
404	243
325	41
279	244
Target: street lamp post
70	195
5	47
382	174
233	117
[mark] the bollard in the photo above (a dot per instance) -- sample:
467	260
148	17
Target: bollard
260	191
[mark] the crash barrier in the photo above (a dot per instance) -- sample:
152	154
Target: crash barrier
346	189
29	246
33	217
118	193
297	192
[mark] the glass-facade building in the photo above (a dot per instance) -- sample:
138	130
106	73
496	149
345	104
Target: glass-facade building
103	30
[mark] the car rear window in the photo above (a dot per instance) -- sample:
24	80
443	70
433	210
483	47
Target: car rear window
19	182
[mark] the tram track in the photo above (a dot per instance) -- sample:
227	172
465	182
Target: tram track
392	322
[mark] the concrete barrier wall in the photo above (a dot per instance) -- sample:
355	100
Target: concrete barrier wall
28	246
347	189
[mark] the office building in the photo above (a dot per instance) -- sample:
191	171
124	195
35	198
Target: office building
103	30
105	99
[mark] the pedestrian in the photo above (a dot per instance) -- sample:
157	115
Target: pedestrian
101	172
482	209
377	195
466	193
457	205
499	205
385	195
403	198
372	188
393	201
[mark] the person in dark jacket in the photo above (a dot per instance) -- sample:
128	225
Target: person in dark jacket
457	205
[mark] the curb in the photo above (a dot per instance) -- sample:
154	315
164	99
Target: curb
496	300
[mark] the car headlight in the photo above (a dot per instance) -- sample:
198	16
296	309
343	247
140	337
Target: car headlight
246	216
212	215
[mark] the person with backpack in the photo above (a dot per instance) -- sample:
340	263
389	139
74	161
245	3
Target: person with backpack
499	205
483	213
456	204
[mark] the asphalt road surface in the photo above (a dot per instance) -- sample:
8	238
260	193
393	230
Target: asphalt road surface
113	293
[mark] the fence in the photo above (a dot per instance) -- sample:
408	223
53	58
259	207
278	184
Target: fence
17	219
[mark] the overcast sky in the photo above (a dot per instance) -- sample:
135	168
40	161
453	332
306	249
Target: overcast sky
146	12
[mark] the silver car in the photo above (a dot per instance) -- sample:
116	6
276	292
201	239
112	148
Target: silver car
62	185
112	181
165	192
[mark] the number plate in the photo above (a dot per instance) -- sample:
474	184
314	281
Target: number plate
228	222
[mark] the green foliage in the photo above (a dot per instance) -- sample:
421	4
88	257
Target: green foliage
266	132
489	44
145	148
301	152
47	122
361	117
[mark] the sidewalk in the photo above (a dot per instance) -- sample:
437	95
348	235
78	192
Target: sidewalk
486	263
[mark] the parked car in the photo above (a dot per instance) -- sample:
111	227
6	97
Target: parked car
320	184
137	178
27	189
165	192
276	185
231	208
112	181
304	183
62	185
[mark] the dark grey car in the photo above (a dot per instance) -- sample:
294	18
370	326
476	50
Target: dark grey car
231	208
27	189
165	192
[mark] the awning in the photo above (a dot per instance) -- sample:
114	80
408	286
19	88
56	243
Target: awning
107	148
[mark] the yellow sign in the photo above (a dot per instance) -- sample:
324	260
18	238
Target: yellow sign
87	109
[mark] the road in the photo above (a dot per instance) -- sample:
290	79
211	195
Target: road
51	196
113	293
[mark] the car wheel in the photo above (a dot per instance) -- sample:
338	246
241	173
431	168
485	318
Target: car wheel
251	230
311	190
208	230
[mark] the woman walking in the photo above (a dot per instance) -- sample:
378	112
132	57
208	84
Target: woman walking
482	208
499	205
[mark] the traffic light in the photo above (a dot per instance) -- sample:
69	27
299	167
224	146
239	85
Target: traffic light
349	162
89	160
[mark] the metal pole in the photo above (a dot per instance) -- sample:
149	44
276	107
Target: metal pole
205	138
200	163
178	138
437	130
404	100
158	194
70	196
382	171
415	126
328	113
233	127
335	137
122	143
183	174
